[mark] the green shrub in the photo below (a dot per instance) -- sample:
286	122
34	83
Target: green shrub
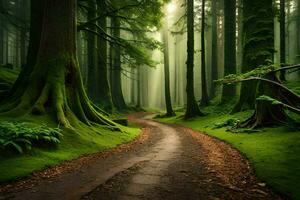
21	136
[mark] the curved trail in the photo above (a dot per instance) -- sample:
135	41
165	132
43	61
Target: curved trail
173	163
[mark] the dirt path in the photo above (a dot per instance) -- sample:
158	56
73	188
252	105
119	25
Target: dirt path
170	162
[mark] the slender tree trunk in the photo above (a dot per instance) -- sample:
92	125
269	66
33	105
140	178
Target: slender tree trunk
116	87
204	98
103	94
53	85
192	109
168	101
138	101
214	48
282	38
1	35
229	91
92	53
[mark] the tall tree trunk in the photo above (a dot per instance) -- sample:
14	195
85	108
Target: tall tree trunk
204	98
259	50
116	87
258	42
229	91
53	85
103	95
298	31
168	101
282	39
92	53
214	48
192	108
1	35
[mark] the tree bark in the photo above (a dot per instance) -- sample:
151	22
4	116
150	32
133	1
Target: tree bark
204	98
214	49
116	85
229	91
103	95
53	85
258	42
192	108
282	39
92	53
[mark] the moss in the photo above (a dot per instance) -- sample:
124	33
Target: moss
84	140
274	153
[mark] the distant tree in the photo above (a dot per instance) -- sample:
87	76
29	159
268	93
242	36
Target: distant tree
192	108
53	84
229	91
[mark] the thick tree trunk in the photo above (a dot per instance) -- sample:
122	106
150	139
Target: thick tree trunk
92	53
214	49
103	95
192	108
258	50
282	39
54	85
116	85
258	42
168	101
229	91
204	98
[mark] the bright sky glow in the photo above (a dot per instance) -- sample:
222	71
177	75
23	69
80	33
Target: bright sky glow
171	7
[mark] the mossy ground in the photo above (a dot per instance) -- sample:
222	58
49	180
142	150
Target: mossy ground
274	152
74	143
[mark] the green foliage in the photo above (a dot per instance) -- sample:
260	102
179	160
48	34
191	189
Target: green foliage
21	136
269	99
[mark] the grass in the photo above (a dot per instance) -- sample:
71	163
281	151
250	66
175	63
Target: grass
73	144
274	152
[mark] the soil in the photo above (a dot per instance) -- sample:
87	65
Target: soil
165	162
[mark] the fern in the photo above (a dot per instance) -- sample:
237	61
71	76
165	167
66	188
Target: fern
20	136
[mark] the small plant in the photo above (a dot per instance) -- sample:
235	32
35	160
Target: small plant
20	136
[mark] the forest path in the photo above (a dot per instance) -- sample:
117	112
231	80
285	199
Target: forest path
167	162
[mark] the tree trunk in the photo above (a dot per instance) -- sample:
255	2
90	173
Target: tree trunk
116	87
192	109
92	54
258	42
204	98
298	31
214	49
1	35
258	50
53	85
168	101
103	95
229	91
282	39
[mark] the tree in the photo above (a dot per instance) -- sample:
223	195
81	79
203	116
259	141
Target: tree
229	91
214	48
168	101
258	42
282	38
103	96
53	85
258	51
298	30
116	86
92	53
204	98
192	108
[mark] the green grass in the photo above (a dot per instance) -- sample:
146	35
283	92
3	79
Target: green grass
73	144
274	153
